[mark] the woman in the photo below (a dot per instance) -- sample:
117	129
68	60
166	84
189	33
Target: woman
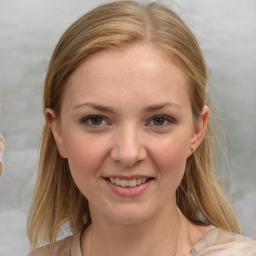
127	151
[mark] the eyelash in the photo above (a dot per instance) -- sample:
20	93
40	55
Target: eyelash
90	118
167	119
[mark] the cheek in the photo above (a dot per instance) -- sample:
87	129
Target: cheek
170	156
85	155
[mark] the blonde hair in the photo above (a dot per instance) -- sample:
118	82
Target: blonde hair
56	198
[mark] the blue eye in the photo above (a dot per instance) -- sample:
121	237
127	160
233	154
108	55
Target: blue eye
94	121
161	121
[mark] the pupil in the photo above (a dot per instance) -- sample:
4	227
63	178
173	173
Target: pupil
159	121
96	121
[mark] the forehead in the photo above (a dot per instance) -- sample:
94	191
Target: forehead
140	69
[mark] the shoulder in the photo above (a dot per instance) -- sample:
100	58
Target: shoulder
220	242
59	248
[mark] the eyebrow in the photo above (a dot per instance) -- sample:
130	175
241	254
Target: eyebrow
96	107
106	109
160	106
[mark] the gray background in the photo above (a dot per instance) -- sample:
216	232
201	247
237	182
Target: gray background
29	30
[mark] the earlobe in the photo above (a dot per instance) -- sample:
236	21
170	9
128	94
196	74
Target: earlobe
199	131
51	119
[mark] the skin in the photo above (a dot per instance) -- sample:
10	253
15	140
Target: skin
144	126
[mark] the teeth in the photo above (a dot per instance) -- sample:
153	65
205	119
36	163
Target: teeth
124	183
138	181
132	183
143	180
128	183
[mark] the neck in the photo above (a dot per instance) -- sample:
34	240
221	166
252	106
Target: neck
150	238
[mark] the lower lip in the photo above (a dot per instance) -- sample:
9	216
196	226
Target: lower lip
128	191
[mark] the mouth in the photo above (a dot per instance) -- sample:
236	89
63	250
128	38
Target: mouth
129	187
135	182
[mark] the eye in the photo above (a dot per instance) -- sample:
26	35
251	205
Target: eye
161	121
94	121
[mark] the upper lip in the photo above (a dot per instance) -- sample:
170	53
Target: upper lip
124	177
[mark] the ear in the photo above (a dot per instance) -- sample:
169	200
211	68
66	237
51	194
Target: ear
199	131
54	123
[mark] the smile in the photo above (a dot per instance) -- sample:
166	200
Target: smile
128	186
128	183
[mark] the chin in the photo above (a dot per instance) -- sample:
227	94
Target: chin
131	215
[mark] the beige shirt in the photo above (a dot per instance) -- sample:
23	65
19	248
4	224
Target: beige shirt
216	242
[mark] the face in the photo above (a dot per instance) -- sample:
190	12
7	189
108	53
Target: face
125	127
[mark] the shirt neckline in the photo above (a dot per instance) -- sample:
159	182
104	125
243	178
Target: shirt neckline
201	243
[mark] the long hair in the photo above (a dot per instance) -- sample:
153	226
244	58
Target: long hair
114	25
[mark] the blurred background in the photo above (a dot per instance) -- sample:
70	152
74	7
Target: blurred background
29	31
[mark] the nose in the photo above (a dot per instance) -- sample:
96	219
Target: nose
128	147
